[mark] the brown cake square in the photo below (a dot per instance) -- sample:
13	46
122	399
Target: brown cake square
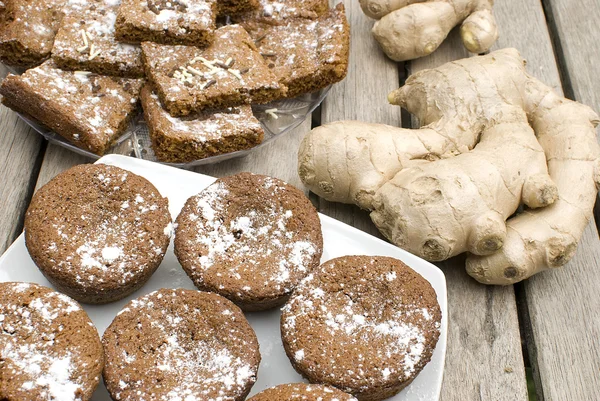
305	55
278	11
211	133
86	41
188	22
27	30
229	73
232	7
89	110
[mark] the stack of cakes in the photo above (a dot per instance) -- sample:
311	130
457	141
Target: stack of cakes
89	60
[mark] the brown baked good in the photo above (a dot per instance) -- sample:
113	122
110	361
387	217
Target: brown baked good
99	51
91	111
229	73
305	55
302	392
180	345
189	22
27	30
97	232
232	7
278	12
364	324
49	348
184	139
250	238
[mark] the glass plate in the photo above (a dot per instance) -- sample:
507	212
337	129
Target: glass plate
135	141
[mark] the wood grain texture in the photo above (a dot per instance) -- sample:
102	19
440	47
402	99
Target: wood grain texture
576	31
20	148
563	305
56	160
371	76
484	360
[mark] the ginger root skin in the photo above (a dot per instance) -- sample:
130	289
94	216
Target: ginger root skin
547	238
494	138
409	29
380	8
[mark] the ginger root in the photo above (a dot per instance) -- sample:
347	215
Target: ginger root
409	29
493	138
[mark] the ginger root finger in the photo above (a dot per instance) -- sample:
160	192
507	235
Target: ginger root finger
444	208
379	8
539	191
479	31
410	29
360	158
547	238
428	24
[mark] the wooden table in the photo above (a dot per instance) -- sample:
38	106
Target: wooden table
551	322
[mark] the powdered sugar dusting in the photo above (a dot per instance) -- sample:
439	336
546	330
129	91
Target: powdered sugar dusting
202	366
301	51
255	243
205	127
175	18
352	315
200	82
98	103
106	237
97	18
277	10
31	345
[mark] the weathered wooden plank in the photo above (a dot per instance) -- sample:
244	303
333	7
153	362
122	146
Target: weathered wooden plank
277	159
56	160
20	148
361	96
564	305
371	76
576	38
576	33
484	359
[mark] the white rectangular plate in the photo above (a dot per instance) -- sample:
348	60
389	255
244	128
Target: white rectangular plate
339	240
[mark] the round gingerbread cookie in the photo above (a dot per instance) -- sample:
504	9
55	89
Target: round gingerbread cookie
49	348
250	238
180	345
98	232
302	392
366	325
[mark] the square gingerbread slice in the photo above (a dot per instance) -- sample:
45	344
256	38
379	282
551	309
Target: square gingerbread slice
86	41
186	22
277	12
89	110
306	55
185	139
232	7
229	73
27	30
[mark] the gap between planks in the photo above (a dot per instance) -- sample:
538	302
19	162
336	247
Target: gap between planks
564	305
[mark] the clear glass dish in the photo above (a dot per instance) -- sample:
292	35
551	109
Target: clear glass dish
135	141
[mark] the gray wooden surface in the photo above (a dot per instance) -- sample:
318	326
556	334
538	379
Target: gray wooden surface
564	305
554	317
